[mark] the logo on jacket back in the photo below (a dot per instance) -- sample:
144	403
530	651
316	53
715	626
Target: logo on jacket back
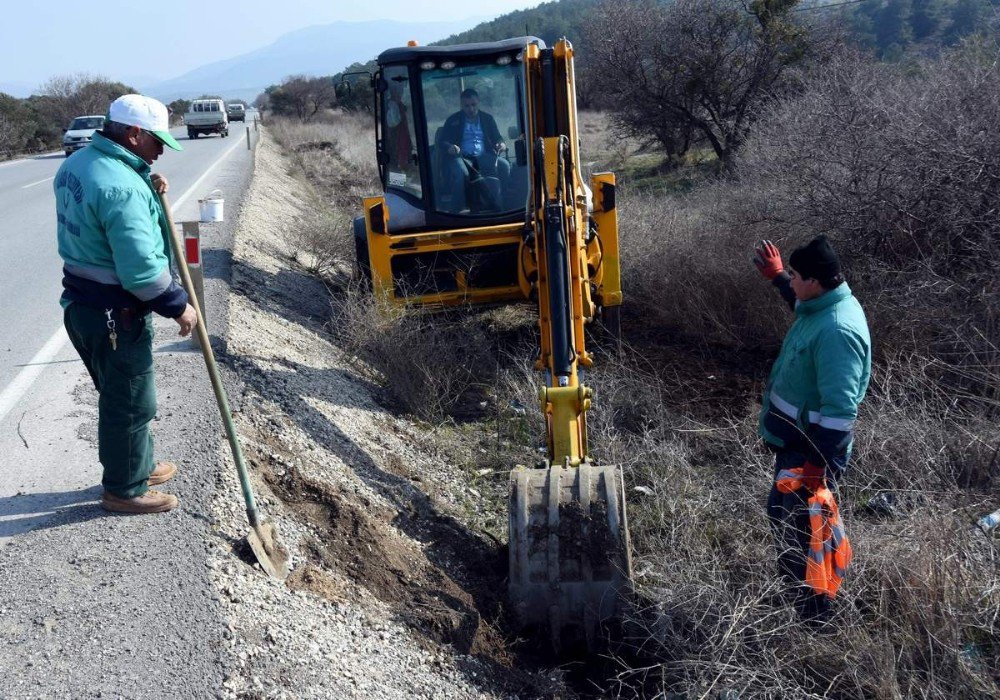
71	187
70	181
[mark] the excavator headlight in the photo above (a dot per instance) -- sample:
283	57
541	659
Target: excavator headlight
427	65
447	65
503	60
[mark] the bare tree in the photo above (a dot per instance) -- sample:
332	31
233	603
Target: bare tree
69	96
302	97
11	134
695	71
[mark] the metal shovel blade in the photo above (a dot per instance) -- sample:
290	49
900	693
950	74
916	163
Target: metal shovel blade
267	547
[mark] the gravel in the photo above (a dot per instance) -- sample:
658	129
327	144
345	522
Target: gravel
303	412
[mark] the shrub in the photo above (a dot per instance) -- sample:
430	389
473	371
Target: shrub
898	168
431	364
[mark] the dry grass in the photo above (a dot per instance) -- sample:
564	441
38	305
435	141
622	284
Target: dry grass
920	613
917	617
334	154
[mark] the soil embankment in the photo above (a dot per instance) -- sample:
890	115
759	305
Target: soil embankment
392	596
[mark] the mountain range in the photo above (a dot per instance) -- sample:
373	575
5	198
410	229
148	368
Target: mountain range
313	51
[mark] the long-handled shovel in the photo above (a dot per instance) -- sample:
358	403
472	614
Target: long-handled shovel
263	537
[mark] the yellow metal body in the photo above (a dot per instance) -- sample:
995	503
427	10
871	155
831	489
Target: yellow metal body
568	263
588	221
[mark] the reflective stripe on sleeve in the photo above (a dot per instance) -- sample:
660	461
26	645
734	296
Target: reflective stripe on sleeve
792	411
841	424
156	288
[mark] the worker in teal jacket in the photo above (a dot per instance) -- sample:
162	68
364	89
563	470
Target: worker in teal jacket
812	395
113	238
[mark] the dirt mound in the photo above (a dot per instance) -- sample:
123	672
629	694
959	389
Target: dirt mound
362	544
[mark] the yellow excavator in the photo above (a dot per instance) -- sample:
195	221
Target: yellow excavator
484	202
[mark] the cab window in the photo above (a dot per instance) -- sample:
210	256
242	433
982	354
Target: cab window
474	117
402	170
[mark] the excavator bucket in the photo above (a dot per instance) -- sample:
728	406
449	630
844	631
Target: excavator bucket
570	557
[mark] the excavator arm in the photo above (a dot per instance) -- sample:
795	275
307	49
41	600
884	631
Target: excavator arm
534	230
570	561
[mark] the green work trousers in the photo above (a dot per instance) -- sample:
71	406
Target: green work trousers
123	377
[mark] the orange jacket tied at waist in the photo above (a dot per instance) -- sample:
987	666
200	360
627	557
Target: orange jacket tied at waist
829	549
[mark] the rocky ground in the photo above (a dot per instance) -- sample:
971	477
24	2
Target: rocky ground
391	596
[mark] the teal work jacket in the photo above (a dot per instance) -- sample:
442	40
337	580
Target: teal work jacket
112	232
817	383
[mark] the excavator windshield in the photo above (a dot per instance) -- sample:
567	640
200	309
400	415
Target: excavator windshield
475	130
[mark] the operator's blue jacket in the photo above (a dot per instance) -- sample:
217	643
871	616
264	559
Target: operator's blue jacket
820	377
113	233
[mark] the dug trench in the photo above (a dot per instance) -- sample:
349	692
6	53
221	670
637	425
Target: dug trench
448	591
444	581
452	591
370	495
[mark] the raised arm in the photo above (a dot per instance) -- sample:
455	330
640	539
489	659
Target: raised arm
767	258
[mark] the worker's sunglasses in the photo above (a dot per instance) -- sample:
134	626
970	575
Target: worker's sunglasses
153	136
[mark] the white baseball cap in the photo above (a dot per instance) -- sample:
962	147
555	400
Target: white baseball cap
147	114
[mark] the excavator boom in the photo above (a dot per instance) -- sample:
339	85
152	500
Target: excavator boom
464	220
570	561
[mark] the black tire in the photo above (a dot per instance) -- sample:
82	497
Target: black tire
362	261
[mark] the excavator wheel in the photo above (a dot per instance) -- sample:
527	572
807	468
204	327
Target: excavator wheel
570	557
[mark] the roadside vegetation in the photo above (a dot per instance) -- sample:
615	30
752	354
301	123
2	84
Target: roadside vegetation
36	124
898	166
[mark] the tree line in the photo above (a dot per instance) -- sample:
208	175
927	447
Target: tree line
891	27
36	123
686	74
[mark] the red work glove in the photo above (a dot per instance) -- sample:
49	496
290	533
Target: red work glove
767	258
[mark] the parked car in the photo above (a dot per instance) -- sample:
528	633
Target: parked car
80	132
207	117
236	112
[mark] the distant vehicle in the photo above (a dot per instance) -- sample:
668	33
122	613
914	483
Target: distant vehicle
207	117
236	112
80	132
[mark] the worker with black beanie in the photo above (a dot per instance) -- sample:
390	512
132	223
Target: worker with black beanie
810	406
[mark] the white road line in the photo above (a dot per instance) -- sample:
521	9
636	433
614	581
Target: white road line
190	190
24	187
27	376
20	385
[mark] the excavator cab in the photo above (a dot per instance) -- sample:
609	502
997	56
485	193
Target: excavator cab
450	144
484	202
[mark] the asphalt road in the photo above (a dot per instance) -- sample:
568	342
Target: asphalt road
97	605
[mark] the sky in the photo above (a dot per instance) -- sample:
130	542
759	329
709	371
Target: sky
146	41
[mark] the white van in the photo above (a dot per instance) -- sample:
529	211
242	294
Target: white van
236	111
207	117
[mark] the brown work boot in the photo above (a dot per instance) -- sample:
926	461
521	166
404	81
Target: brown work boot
149	502
164	471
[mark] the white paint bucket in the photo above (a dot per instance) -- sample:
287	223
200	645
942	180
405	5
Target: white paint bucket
211	206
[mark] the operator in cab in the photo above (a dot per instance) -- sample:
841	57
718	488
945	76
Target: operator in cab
474	151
